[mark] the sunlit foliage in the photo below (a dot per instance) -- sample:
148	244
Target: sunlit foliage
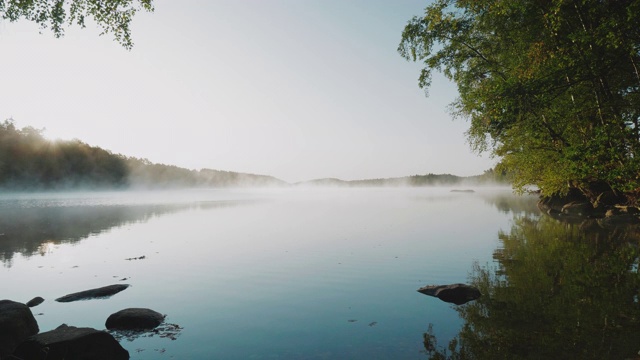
28	160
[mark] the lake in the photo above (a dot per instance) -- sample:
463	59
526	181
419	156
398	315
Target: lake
326	273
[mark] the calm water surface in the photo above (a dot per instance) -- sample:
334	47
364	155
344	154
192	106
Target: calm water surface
291	274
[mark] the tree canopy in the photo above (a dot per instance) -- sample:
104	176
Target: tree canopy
112	16
552	88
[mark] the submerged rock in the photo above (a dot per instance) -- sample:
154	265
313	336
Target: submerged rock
16	325
35	301
455	293
134	319
98	293
72	343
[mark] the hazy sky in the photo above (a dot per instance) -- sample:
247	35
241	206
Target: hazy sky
297	89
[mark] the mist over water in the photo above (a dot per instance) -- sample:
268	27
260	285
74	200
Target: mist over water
288	273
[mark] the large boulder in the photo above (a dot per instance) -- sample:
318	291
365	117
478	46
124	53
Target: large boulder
98	293
16	325
134	319
72	343
455	293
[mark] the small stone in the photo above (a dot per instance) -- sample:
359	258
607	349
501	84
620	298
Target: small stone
98	293
35	301
455	293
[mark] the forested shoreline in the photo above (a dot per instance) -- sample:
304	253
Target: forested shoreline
30	162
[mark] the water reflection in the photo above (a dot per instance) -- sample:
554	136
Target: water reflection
554	291
30	230
507	203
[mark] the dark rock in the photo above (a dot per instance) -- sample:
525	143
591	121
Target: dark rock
608	199
455	293
16	325
632	210
35	301
553	204
72	343
99	293
134	319
578	208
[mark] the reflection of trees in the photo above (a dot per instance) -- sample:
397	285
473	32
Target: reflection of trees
31	230
557	291
507	202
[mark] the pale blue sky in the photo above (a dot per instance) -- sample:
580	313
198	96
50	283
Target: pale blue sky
297	89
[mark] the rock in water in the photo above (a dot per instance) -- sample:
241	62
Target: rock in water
455	293
35	301
16	325
99	293
134	319
72	343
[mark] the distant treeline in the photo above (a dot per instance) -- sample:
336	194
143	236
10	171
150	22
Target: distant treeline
489	177
28	161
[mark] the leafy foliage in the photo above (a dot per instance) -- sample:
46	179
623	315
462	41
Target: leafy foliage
552	88
113	16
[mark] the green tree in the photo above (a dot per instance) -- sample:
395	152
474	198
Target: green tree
112	16
552	88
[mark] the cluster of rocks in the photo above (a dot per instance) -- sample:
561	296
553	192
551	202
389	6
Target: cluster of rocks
20	337
609	207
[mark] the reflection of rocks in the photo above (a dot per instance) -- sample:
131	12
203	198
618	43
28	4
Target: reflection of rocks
99	293
462	191
16	324
134	319
164	331
72	343
455	293
35	301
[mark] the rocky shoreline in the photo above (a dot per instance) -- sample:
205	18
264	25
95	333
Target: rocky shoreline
607	208
21	339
